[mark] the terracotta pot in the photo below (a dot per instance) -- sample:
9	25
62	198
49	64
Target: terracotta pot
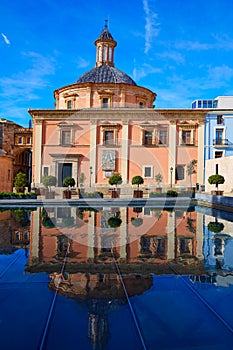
114	194
217	193
49	194
138	194
67	194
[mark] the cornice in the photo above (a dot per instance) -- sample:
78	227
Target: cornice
145	114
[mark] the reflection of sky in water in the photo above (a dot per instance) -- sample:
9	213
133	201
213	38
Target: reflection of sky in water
115	304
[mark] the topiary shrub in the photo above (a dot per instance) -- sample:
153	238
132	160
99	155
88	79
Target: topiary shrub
216	180
69	182
137	180
215	227
172	193
20	182
114	222
49	181
115	179
137	221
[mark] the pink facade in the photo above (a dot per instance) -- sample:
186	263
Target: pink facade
105	123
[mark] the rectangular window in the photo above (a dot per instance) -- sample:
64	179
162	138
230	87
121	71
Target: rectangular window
219	119
215	104
186	137
9	175
219	136
147	138
147	172
163	136
20	140
69	104
105	102
194	104
109	137
179	174
210	104
28	140
45	171
204	104
65	137
199	104
218	154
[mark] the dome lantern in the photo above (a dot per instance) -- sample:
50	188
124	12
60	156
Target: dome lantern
105	45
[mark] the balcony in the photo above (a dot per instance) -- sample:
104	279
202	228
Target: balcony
221	142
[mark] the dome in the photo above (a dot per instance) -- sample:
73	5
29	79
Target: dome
105	74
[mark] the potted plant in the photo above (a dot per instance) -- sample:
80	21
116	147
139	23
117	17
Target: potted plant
115	179
68	182
137	221
158	179
137	180
20	182
80	184
215	226
114	221
191	169
216	180
49	181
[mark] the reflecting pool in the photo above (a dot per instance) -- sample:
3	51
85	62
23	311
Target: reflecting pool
116	278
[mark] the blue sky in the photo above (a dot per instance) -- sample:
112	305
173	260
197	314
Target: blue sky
182	50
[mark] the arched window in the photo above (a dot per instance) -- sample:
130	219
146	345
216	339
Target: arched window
140	104
105	53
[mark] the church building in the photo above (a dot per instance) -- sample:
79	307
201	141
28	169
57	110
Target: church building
105	123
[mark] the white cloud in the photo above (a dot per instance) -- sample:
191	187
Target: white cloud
82	63
23	85
6	40
144	70
151	26
173	55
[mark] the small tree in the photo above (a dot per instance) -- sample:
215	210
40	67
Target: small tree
114	222
158	179
20	182
49	181
215	227
69	182
216	180
81	179
115	179
137	180
191	169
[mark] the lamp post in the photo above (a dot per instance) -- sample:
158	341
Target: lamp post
171	170
90	174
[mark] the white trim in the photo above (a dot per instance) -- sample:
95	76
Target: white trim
143	171
45	166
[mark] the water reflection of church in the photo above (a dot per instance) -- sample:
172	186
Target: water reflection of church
140	241
149	236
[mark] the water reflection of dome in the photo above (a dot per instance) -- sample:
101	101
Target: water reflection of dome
85	286
99	295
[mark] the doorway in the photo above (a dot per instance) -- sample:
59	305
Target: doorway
64	170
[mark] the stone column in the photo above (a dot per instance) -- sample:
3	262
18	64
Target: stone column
200	159
38	125
35	233
91	235
124	233
200	235
125	152
172	151
171	236
93	138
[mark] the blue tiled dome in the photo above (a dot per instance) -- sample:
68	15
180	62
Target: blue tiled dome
105	74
